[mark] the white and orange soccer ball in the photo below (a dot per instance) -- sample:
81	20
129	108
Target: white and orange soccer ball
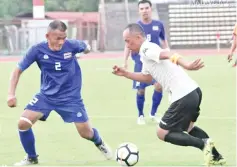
127	154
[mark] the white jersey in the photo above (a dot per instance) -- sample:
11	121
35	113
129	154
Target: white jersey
172	77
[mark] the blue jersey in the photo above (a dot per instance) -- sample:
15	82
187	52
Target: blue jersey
154	33
60	72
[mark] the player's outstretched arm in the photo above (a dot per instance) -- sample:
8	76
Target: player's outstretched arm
177	59
132	75
195	65
11	100
26	61
138	76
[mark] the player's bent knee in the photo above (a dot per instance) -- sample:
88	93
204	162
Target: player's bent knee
161	133
141	91
24	123
191	125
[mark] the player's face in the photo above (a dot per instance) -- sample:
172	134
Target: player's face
56	39
145	11
132	41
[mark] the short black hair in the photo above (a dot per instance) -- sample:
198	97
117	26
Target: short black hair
57	25
135	28
144	1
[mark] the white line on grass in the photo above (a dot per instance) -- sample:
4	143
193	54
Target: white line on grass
105	58
134	117
113	166
131	117
110	68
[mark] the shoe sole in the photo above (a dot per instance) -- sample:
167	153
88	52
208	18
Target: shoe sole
223	162
208	160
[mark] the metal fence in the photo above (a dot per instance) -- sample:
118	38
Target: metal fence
16	39
187	25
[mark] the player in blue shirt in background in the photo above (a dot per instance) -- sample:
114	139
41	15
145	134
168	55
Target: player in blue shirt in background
155	33
60	90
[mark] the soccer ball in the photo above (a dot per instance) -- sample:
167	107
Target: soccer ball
127	154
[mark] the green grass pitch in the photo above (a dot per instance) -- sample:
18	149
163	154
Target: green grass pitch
110	102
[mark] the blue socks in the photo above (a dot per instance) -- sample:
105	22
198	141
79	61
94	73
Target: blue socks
28	142
96	138
156	99
140	104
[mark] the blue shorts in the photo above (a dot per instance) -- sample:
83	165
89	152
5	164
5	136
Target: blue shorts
140	85
73	111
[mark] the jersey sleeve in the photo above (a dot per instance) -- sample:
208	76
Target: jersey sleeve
80	46
162	32
152	52
28	59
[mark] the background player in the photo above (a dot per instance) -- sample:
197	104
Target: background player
233	46
60	90
154	30
186	96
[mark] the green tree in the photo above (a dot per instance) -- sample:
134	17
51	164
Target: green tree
72	5
11	8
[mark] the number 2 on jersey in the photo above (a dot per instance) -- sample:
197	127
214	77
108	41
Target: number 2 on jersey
57	66
33	101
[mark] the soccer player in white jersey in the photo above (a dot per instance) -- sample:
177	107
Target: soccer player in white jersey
185	94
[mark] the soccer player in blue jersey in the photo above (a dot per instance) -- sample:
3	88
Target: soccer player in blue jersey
155	33
60	90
